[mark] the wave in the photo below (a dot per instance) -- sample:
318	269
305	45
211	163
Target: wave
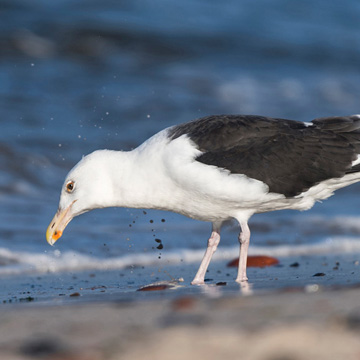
16	262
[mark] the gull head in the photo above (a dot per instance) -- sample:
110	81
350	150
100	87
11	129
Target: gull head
87	186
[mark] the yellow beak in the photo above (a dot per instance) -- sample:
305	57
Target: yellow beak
58	224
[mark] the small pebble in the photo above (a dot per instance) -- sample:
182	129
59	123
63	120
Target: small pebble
27	299
319	274
154	287
256	261
42	348
184	303
312	288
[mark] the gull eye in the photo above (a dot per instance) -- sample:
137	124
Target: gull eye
70	186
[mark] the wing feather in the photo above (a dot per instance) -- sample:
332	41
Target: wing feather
289	156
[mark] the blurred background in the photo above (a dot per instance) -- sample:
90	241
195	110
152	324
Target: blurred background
76	76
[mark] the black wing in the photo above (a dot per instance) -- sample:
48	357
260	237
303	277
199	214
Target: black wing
289	156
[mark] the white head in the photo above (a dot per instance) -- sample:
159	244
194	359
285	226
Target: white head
87	186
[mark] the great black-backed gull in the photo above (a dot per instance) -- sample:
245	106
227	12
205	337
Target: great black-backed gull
218	168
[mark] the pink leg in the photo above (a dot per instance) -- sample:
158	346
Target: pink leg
213	242
244	239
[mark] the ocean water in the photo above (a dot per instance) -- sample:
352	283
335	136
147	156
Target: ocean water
80	76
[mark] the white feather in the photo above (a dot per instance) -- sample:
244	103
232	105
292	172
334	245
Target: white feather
356	162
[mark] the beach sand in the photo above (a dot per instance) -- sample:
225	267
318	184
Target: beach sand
290	315
291	325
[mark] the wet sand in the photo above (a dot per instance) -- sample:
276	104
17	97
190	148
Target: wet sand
285	313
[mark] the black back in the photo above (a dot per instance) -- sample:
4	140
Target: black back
287	155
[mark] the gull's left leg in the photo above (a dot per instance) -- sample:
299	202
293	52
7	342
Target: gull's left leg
213	242
244	239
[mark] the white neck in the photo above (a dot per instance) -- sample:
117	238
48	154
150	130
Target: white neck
138	180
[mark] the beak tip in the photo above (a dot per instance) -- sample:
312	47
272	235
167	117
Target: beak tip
58	224
52	238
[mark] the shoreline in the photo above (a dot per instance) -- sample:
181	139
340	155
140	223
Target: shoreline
296	272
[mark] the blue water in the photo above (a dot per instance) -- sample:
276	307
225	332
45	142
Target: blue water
79	76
